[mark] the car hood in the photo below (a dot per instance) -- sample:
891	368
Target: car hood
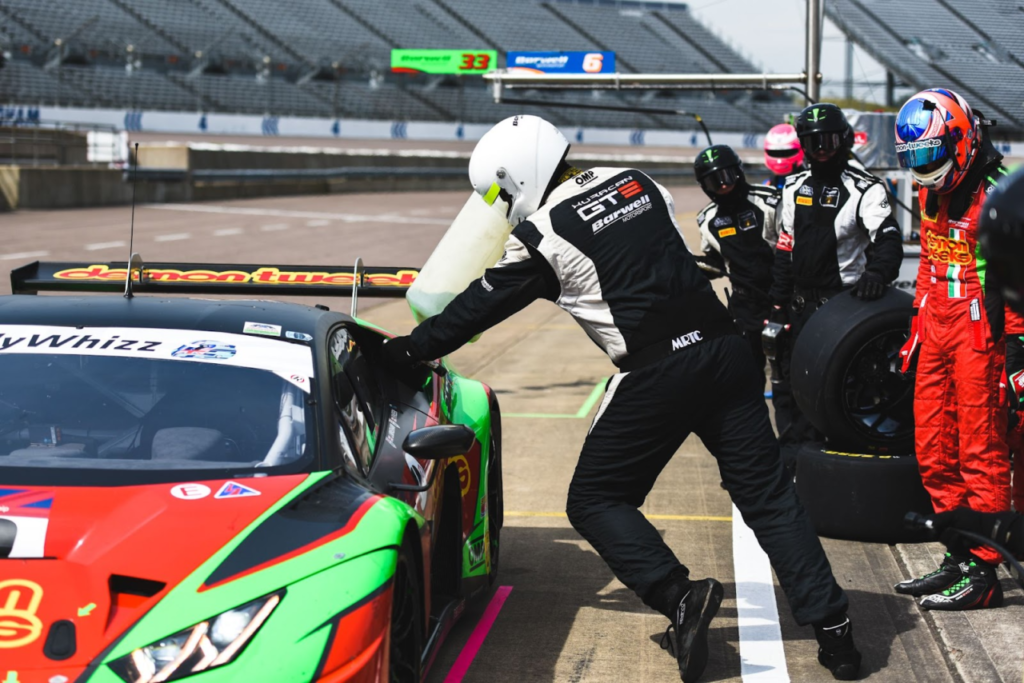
97	559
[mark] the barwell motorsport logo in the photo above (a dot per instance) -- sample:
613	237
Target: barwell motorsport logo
611	207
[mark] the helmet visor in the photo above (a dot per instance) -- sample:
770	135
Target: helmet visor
782	153
821	142
722	178
921	153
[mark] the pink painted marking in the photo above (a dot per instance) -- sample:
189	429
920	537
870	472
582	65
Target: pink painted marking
476	639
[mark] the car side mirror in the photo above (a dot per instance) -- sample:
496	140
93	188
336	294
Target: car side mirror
439	442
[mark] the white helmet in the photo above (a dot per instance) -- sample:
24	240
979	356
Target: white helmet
515	161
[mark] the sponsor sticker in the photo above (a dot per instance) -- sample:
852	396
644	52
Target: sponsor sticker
24	519
250	351
19	603
785	242
830	196
232	489
804	201
727	232
206	349
190	491
298	336
806	190
748	220
266	329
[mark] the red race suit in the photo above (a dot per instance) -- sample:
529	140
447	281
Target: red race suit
960	401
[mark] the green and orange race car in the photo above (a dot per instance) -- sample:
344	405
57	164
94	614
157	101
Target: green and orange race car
231	490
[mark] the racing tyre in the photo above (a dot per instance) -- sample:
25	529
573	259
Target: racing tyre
861	496
846	376
406	622
495	494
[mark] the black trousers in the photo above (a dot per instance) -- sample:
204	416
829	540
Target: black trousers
714	391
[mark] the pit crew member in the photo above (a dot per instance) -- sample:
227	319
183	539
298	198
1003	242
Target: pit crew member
837	232
783	154
734	229
959	337
603	244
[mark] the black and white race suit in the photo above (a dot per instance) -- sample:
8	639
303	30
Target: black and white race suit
832	228
606	248
737	237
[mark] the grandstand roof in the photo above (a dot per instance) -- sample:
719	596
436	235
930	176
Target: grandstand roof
976	50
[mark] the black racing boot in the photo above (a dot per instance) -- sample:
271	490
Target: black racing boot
951	570
836	650
977	588
689	643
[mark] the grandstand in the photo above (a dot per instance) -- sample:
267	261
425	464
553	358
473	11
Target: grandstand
946	43
331	58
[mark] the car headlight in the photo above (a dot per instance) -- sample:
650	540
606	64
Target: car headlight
206	645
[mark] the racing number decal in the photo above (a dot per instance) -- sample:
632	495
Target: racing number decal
472	61
593	62
19	602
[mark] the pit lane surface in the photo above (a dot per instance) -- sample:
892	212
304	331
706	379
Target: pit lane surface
566	618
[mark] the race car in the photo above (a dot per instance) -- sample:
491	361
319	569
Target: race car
231	490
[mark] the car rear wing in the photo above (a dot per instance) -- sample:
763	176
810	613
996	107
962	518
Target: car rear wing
213	278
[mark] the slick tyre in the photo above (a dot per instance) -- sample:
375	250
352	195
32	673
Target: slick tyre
845	373
861	496
406	646
495	494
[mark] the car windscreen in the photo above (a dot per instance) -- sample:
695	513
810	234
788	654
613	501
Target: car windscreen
131	406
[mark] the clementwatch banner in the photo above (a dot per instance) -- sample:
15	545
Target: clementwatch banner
213	278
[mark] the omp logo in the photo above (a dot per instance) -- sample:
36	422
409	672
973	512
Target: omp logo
688	339
948	250
267	275
585	177
19	602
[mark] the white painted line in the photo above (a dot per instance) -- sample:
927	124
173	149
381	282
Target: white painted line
762	655
283	213
274	227
96	246
173	237
23	254
227	232
317	222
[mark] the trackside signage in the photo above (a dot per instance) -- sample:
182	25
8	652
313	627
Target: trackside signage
574	62
292	362
443	61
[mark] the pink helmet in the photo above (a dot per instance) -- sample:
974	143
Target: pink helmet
782	151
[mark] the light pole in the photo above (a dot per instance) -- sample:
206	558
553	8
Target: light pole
813	62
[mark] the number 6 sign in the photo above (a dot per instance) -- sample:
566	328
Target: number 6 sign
593	62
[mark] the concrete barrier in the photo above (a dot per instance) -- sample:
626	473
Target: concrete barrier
205	172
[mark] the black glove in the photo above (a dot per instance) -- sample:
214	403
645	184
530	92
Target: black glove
1003	528
870	286
397	352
